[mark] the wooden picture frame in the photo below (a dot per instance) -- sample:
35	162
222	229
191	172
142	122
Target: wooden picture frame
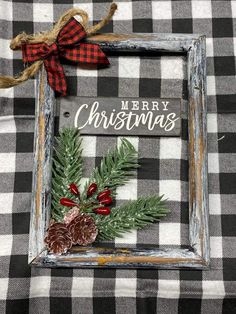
197	256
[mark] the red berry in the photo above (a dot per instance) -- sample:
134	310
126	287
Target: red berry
67	202
106	200
103	194
92	189
102	211
74	190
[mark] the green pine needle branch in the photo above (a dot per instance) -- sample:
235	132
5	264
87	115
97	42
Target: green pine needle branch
67	168
132	215
116	168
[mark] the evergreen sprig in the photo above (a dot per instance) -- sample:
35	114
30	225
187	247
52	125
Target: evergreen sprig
67	168
116	168
132	215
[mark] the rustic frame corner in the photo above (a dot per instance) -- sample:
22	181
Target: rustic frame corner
197	256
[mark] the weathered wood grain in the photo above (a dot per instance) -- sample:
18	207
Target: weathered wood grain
197	256
41	187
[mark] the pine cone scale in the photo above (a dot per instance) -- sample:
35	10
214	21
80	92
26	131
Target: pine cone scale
83	230
58	239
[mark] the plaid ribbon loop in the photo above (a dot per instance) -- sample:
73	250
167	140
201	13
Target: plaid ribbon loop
70	46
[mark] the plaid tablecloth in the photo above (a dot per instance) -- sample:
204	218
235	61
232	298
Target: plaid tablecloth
31	290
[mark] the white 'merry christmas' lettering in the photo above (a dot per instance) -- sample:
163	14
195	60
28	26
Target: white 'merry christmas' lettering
128	120
143	105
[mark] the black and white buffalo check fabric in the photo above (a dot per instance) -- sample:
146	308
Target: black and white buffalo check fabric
164	164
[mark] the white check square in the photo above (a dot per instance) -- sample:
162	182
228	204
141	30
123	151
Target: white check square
161	10
40	286
127	191
129	67
6	244
7	123
213	163
128	238
6	52
170	148
87	7
169	233
214	204
212	123
168	289
125	287
124	11
7	200
7	162
171	68
43	12
82	287
211	85
209	47
6	11
233	8
7	93
201	9
216	247
89	146
171	189
213	289
80	72
3	288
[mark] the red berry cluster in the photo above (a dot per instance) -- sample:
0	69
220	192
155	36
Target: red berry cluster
103	198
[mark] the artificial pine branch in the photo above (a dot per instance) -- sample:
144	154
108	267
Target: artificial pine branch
132	215
115	169
67	168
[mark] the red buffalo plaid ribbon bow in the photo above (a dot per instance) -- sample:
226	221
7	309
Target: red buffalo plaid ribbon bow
69	45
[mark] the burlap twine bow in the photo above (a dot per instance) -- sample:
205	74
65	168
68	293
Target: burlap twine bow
64	40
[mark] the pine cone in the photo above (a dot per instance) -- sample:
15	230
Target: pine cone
83	229
58	238
71	214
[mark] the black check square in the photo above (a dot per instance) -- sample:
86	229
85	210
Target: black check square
149	169
24	106
60	305
226	103
20	223
229	306
24	142
15	306
222	27
228	225
22	26
19	267
107	87
142	26
229	271
104	305
23	182
228	183
186	304
228	144
18	66
149	87
182	26
224	66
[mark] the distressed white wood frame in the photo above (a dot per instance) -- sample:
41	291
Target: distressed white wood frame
197	256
